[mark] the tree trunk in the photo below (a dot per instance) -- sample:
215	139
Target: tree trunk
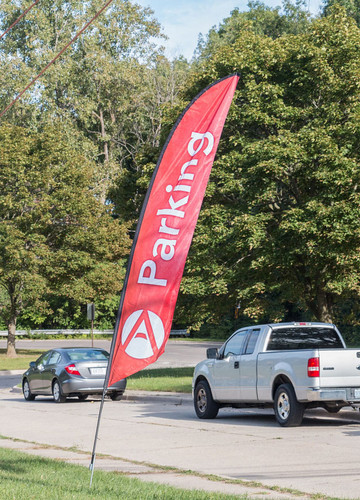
106	174
11	351
322	306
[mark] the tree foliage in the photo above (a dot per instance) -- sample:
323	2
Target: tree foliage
56	238
352	8
107	92
103	85
292	18
281	218
279	229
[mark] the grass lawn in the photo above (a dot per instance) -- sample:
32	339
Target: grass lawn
21	362
162	379
26	477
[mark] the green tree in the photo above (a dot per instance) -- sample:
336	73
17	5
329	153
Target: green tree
352	8
292	18
110	84
281	218
107	91
160	92
55	236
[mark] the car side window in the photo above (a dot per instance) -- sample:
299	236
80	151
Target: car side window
54	358
254	335
235	344
42	361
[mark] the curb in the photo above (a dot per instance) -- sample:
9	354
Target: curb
11	372
179	398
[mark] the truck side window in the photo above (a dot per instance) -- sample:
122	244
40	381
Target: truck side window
254	335
235	344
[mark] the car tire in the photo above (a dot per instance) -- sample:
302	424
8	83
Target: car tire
116	396
28	395
288	411
204	404
58	395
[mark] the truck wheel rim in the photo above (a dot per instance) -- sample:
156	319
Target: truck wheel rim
283	406
201	400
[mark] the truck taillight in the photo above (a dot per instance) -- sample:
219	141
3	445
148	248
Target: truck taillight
314	367
72	370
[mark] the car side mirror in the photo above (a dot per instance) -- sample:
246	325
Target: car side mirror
212	353
32	364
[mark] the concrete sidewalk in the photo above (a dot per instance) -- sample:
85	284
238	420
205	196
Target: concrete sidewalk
179	479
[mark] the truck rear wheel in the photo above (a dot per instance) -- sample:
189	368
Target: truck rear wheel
288	411
205	406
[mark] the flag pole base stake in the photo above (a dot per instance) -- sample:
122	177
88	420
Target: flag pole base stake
93	455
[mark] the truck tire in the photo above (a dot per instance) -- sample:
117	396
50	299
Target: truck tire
205	406
288	411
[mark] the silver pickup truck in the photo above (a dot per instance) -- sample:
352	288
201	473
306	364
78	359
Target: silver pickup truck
287	366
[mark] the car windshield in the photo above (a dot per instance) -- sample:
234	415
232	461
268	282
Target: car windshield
87	355
303	338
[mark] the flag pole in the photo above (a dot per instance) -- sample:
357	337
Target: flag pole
114	337
106	381
92	463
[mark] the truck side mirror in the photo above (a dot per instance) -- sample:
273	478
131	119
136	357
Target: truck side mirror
212	353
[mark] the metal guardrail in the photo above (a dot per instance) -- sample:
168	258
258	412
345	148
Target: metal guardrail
30	333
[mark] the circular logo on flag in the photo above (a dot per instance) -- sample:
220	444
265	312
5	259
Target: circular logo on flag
143	334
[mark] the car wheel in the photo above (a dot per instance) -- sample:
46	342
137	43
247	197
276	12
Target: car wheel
205	406
116	396
82	397
56	390
288	411
27	392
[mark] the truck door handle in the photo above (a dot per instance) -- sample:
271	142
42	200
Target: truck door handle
236	364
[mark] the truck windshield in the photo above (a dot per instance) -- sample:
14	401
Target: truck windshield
303	338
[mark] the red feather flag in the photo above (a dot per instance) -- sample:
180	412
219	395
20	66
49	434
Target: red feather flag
165	231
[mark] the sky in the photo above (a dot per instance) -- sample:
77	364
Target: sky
184	20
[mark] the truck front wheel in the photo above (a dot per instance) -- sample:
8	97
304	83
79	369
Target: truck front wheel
288	411
205	406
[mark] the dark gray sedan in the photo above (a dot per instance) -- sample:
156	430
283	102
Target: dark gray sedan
69	372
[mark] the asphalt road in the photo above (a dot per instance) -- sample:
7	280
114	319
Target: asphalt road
8	381
321	456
